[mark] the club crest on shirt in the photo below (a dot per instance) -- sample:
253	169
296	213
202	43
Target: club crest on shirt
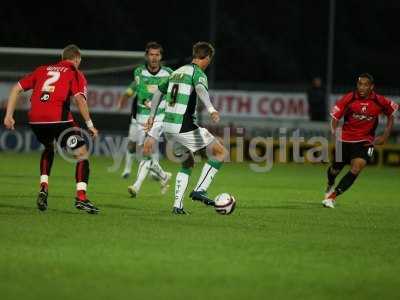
364	108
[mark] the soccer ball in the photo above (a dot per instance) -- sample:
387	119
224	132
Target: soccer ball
224	204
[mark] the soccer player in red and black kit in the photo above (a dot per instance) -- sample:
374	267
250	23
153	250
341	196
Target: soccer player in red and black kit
360	110
51	120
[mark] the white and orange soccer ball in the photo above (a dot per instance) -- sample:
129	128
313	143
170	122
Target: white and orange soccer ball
224	204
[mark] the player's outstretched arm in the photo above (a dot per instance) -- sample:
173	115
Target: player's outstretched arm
84	111
382	139
129	92
122	101
334	126
11	104
155	102
204	96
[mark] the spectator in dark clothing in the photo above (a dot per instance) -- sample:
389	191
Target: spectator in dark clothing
317	100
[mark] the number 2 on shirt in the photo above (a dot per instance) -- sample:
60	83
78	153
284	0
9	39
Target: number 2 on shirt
47	85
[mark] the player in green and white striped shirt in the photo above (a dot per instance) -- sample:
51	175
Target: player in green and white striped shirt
146	79
182	89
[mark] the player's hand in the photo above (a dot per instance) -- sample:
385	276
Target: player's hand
9	122
93	132
333	137
215	116
380	140
149	123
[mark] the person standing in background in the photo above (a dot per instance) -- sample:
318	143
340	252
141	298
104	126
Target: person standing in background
317	100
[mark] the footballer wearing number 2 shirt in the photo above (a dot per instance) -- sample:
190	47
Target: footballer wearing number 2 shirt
51	120
361	110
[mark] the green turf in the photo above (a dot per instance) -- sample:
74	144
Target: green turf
279	244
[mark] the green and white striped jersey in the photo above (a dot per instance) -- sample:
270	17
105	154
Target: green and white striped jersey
143	88
181	98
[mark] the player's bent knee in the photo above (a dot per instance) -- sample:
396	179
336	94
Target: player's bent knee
357	166
189	162
148	146
147	149
131	147
356	170
81	153
219	151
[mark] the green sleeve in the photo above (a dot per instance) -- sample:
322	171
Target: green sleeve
169	70
132	88
199	77
163	86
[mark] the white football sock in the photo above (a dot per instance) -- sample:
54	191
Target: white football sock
81	186
206	177
128	161
181	183
156	168
143	170
44	179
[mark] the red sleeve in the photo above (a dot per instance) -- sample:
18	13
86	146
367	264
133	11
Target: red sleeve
79	85
389	106
340	107
28	82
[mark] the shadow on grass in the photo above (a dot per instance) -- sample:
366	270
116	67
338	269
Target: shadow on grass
20	176
19	207
117	206
34	209
288	205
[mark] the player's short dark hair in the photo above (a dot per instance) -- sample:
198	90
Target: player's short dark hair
203	49
368	76
71	51
153	45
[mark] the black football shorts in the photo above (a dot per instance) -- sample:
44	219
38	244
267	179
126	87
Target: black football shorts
350	151
66	134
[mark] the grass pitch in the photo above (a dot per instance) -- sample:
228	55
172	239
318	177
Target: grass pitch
279	243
